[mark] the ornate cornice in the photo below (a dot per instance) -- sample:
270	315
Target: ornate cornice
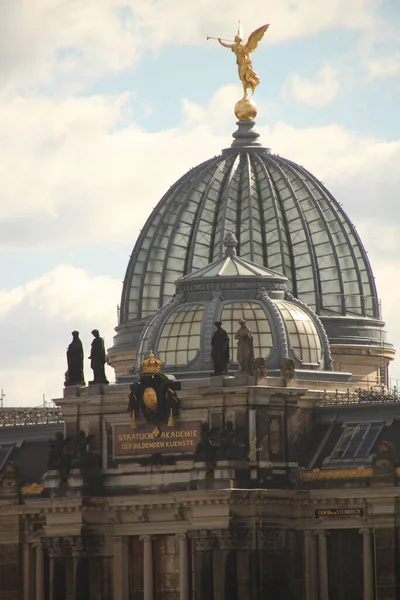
233	284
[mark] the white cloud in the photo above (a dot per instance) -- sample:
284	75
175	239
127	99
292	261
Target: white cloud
36	321
383	67
71	43
184	22
318	91
76	171
45	39
71	173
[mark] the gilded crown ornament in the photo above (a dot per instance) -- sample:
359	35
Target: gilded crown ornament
151	364
245	109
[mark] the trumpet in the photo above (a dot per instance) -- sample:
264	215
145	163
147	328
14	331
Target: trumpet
210	37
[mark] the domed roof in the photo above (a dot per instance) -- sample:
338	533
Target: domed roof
284	219
180	332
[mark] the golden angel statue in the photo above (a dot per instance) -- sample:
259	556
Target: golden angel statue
248	77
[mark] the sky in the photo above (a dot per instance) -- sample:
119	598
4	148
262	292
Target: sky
105	103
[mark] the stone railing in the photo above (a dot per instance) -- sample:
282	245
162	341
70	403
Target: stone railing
17	417
358	396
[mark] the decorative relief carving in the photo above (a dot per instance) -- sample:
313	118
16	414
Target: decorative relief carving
225	285
202	540
275	539
288	371
359	472
59	547
9	478
224	539
32	490
218	293
56	547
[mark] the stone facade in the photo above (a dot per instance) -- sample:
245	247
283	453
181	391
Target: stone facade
260	524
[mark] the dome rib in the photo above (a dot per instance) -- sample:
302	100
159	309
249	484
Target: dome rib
152	273
305	184
246	214
221	215
188	253
279	216
133	269
306	231
217	247
173	221
253	159
336	209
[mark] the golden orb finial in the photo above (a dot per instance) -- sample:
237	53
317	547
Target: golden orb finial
246	109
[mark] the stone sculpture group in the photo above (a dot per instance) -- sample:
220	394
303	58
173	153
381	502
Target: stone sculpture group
75	355
220	349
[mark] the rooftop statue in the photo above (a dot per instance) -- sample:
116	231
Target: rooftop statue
74	375
98	358
220	349
245	347
245	109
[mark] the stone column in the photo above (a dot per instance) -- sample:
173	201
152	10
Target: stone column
26	571
322	566
148	571
368	564
311	566
120	569
252	426
39	575
52	568
183	566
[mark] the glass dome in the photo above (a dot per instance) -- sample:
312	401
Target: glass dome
284	219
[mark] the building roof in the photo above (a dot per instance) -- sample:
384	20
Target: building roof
28	445
284	218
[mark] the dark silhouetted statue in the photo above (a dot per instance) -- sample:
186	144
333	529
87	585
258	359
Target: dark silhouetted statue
220	350
98	358
74	375
245	347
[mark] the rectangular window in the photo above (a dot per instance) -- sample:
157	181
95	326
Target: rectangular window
356	440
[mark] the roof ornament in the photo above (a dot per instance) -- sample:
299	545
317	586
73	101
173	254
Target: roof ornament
151	364
230	243
245	109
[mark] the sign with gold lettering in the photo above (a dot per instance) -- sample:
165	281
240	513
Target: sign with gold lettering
334	513
151	439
